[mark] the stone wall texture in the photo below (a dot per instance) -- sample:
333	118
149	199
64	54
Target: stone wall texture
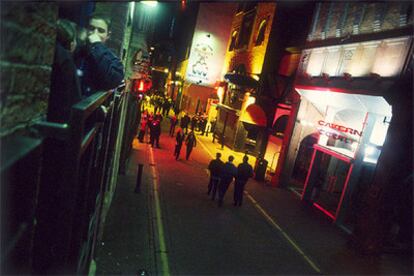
27	48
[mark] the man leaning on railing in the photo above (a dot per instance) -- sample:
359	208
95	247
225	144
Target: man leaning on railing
100	68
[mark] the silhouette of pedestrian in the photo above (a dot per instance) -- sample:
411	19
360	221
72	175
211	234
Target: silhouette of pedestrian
142	128
179	138
215	167
155	132
173	123
244	172
227	174
185	120
190	142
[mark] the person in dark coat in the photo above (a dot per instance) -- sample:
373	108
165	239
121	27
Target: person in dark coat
100	68
190	142
155	132
65	88
228	172
179	138
173	123
244	172
185	120
215	166
142	128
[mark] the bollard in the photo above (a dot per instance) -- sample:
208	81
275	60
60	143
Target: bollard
139	176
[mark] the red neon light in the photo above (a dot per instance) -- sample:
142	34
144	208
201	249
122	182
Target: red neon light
340	128
323	210
309	173
333	89
141	86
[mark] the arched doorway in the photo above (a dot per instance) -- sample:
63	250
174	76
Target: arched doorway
303	160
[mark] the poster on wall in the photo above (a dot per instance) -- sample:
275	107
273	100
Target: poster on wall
209	43
201	67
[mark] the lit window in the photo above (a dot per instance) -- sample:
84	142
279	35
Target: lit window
261	32
246	30
233	40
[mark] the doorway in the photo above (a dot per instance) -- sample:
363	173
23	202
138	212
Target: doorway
327	180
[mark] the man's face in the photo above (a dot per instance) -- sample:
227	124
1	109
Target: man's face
99	28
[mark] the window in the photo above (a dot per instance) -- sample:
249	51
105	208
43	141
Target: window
249	6
233	40
246	30
261	32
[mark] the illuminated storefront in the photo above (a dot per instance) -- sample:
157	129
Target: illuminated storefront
342	123
339	139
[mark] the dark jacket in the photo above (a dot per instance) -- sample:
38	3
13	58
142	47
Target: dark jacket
179	138
244	172
64	87
185	121
191	140
229	171
215	167
102	69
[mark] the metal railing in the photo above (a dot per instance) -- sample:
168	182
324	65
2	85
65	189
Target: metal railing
55	188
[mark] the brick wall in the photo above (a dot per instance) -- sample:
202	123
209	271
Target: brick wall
27	48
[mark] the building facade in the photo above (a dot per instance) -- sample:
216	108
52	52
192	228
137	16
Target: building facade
353	87
243	64
202	68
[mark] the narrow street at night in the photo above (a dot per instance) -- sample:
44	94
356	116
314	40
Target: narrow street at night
206	137
272	233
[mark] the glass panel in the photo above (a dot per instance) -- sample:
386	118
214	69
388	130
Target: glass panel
341	130
329	182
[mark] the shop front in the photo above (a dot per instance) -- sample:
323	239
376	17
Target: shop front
337	140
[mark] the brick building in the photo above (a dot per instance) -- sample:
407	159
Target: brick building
33	208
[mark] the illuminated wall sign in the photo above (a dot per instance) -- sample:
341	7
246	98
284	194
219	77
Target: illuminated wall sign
340	128
338	136
201	68
209	43
382	57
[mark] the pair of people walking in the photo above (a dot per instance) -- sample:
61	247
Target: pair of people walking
190	142
221	176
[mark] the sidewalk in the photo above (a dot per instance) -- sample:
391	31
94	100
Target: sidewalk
310	230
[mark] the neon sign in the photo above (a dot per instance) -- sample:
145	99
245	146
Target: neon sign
339	128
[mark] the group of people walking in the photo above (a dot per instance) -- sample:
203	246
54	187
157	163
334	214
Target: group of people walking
152	123
222	175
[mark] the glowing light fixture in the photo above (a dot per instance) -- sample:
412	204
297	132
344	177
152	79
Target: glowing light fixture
131	9
150	3
166	70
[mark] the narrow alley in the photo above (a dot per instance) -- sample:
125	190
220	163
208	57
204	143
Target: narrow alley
312	99
173	228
